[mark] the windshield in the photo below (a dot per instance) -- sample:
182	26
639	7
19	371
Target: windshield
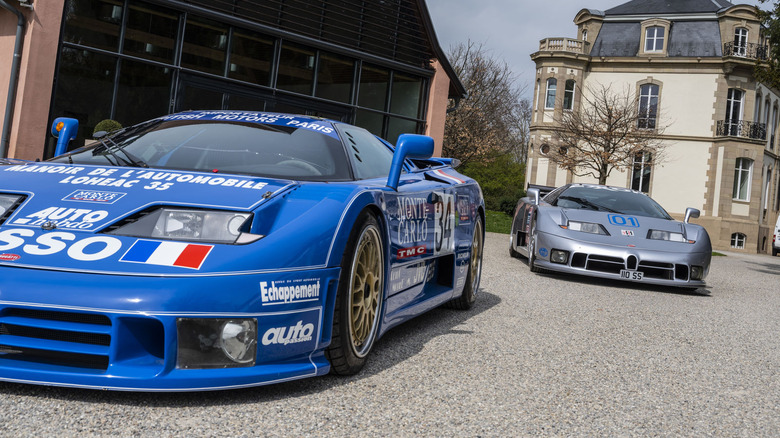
611	200
219	146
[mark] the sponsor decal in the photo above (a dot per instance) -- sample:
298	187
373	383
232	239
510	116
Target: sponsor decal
64	217
447	177
147	179
407	276
259	117
461	281
412	219
9	257
152	252
289	291
87	250
543	252
464	209
411	252
97	196
627	233
623	221
295	334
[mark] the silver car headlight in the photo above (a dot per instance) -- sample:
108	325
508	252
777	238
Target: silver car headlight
585	227
6	202
667	235
190	224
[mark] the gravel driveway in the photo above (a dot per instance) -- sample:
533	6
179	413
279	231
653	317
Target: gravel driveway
538	355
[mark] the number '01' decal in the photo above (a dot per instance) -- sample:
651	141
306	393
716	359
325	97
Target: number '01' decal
623	221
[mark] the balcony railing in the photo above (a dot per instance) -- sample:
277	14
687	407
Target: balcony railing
741	128
565	45
749	51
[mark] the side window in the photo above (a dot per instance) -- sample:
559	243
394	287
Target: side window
549	102
640	174
568	95
370	157
648	106
734	111
743	171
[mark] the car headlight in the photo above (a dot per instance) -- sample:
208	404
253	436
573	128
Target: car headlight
6	202
190	224
216	343
667	235
586	227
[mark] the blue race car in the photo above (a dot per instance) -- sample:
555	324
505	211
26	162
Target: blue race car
223	249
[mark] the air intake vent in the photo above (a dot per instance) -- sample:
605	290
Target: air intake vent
46	337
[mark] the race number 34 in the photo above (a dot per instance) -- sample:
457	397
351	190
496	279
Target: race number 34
445	223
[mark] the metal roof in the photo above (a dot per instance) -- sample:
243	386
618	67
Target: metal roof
643	7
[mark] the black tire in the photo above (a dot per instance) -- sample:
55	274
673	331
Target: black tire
512	243
532	247
774	252
359	299
467	299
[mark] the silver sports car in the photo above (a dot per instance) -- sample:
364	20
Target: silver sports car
609	232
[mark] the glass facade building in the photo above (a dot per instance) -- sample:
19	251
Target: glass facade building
130	61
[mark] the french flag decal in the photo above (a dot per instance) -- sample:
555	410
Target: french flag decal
447	177
183	255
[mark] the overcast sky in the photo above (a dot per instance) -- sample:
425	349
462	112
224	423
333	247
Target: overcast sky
511	29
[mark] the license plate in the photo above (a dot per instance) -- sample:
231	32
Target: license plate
631	275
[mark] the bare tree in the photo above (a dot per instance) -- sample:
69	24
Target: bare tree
493	119
609	131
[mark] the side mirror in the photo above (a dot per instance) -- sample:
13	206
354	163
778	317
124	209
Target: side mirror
408	146
64	129
691	213
533	194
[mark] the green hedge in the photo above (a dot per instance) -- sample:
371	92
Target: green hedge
502	180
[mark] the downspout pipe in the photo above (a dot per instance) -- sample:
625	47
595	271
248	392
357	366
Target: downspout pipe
15	65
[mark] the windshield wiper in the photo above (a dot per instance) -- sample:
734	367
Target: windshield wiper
586	203
110	146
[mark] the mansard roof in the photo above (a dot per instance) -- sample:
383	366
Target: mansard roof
688	38
643	7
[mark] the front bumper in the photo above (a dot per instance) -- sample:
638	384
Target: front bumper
120	332
669	268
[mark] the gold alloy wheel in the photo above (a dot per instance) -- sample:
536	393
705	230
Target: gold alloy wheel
366	287
476	255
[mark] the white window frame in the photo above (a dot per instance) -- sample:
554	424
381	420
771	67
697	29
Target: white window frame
652	39
646	97
552	86
569	94
734	105
743	175
642	165
740	41
738	240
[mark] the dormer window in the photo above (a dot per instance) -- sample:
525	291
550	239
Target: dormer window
654	39
655	35
584	35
